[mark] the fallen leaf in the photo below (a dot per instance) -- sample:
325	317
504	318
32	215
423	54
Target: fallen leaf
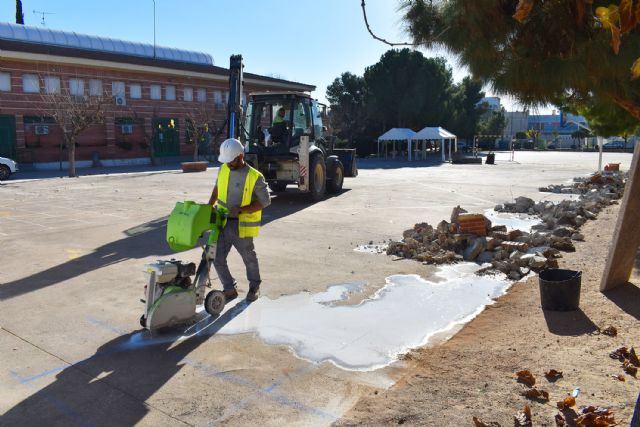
553	375
567	403
523	10
620	354
523	419
560	421
611	331
633	358
534	393
479	423
526	377
619	377
629	368
595	417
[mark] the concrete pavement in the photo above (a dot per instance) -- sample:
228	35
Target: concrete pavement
72	254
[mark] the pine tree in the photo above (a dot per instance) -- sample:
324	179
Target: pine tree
19	14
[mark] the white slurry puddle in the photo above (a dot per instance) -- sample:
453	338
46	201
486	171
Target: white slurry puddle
372	249
520	221
404	314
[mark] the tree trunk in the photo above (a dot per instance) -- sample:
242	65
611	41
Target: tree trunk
71	148
196	138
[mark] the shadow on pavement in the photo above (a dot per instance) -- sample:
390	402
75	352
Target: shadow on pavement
140	242
288	202
112	386
627	297
569	323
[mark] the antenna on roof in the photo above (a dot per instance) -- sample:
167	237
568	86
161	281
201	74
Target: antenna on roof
43	14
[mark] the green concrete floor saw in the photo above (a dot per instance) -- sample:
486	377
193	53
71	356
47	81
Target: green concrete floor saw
175	288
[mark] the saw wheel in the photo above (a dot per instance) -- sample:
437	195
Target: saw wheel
214	302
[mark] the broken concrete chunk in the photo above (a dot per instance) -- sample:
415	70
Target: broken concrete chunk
523	204
522	247
537	262
474	248
486	256
563	231
514	275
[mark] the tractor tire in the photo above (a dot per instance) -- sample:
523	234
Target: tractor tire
354	168
5	172
334	183
317	177
278	187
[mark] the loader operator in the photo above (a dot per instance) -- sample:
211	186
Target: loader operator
243	191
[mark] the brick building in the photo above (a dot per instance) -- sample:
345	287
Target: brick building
153	92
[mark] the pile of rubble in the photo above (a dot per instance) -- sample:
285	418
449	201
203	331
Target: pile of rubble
472	237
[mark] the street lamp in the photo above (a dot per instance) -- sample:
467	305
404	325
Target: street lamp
154	29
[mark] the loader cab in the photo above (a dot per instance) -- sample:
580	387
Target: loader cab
268	132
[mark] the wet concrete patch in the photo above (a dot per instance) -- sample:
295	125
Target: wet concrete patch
512	221
403	314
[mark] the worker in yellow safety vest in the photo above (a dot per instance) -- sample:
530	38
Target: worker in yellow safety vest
242	191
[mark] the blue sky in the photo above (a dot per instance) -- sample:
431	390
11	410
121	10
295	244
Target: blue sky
302	40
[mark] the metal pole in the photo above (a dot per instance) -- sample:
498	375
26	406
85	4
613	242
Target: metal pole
154	29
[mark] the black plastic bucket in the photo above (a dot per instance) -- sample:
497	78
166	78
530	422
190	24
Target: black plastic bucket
491	159
560	289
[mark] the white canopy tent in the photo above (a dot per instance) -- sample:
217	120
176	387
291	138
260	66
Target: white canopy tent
435	133
396	134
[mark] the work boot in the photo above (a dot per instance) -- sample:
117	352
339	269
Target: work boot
230	294
253	295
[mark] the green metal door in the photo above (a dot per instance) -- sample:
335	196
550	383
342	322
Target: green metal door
8	137
165	138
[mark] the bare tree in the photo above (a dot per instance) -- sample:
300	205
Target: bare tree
200	124
73	114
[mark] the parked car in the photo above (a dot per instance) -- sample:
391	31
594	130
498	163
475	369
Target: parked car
7	167
613	145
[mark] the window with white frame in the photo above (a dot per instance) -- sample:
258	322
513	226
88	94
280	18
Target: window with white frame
217	99
187	94
95	87
30	83
201	95
135	91
170	93
155	92
76	87
118	89
51	84
5	82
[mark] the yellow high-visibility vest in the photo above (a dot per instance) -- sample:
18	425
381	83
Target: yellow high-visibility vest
248	223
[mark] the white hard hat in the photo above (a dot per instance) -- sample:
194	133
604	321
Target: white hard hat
229	150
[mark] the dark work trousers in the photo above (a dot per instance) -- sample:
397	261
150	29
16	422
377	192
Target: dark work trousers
229	237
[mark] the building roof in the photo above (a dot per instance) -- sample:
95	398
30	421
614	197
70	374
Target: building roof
47	36
35	40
